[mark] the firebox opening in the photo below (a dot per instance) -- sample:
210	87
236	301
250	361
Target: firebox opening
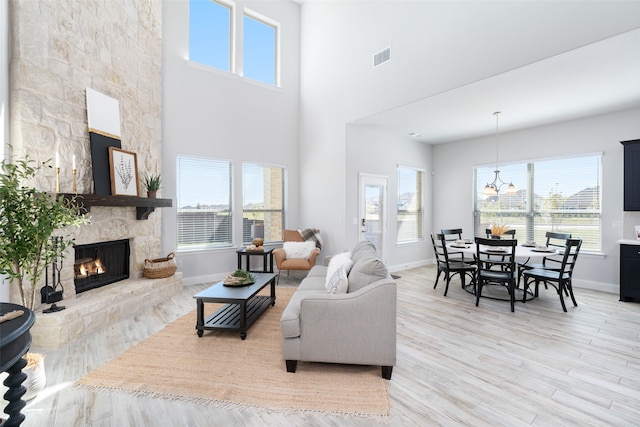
100	264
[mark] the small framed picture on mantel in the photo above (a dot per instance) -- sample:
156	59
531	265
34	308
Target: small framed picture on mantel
123	167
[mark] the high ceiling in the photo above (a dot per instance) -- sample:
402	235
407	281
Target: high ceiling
598	78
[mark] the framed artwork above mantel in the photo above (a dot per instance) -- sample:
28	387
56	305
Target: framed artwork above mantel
123	169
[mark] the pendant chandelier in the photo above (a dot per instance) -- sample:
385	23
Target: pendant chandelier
493	188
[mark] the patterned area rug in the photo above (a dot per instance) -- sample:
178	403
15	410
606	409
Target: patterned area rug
221	369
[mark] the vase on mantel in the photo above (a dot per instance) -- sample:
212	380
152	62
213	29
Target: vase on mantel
152	194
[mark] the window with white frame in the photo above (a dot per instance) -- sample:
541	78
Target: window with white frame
210	33
560	195
263	204
410	207
204	203
213	30
260	50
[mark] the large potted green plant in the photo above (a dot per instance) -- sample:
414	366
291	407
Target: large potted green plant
28	219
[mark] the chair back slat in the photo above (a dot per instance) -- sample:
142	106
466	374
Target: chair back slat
509	233
455	233
487	258
440	247
571	250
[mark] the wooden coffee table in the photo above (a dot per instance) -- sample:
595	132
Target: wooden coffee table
242	304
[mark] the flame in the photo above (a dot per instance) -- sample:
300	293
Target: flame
93	267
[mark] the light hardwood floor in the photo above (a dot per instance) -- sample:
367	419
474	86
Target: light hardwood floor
458	364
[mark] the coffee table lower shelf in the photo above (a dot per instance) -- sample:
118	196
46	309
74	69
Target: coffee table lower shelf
229	316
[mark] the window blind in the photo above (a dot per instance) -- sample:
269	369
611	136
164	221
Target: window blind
204	203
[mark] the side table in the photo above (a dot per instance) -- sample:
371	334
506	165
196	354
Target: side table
267	259
15	340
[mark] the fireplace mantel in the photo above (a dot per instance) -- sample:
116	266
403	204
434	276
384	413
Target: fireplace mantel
144	205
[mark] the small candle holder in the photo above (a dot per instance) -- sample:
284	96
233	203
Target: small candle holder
57	179
75	171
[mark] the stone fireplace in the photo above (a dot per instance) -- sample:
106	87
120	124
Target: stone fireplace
100	264
120	56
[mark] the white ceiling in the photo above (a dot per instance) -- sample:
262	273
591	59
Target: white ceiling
595	79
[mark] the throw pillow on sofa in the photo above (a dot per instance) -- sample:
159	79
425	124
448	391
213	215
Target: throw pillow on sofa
298	249
336	263
338	282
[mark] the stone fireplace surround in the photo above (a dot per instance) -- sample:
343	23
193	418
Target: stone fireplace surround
97	308
116	49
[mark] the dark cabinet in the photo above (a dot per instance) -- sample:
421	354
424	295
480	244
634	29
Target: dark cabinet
631	175
630	273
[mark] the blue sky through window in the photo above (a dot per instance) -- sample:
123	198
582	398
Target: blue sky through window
259	51
210	34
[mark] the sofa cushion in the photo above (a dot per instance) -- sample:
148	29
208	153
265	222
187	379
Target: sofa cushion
366	271
318	271
314	283
362	249
338	282
298	249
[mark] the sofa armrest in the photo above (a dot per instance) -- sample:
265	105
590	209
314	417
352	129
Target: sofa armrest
358	327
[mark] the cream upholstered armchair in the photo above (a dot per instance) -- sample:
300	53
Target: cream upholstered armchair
300	262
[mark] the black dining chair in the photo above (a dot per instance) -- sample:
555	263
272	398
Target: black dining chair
560	279
499	270
450	267
555	241
451	235
509	233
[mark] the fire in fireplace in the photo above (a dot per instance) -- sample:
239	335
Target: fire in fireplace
100	264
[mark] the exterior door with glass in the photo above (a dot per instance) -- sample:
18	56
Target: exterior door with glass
372	211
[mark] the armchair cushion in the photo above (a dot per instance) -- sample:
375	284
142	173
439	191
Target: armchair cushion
298	249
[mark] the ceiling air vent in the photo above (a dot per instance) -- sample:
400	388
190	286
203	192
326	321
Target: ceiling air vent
382	57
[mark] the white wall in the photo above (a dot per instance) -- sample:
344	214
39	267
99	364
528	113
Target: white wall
375	152
453	189
436	46
214	114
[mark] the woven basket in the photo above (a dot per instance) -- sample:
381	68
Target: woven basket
160	267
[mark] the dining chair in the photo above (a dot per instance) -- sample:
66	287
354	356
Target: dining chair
560	279
554	240
496	270
451	235
450	267
509	233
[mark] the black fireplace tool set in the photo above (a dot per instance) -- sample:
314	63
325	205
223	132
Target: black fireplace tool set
50	294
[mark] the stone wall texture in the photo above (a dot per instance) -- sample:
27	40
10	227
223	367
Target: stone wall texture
58	49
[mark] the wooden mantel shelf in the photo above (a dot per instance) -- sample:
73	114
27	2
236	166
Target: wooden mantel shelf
144	205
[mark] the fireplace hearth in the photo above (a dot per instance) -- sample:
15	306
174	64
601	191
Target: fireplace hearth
100	264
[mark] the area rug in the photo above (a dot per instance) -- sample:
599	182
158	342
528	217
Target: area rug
221	369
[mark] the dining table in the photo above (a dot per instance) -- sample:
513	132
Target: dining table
524	253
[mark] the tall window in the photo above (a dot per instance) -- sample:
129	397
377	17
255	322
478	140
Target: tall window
553	195
260	48
263	200
410	204
210	28
204	203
